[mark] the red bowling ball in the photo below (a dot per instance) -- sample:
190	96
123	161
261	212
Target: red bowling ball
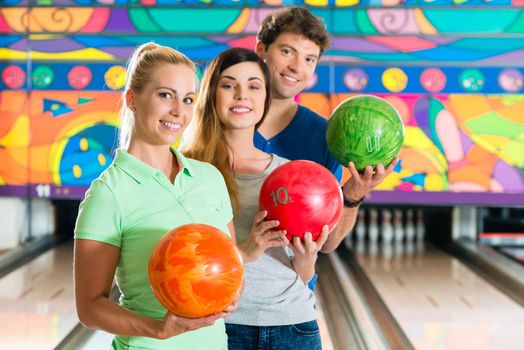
303	196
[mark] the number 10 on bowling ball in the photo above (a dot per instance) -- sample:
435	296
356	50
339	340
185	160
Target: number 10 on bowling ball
303	196
280	196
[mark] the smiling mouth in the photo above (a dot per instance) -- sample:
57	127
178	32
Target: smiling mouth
290	79
171	126
240	110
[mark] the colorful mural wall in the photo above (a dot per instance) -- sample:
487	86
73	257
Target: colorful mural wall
454	69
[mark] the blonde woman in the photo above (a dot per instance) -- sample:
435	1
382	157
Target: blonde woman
149	189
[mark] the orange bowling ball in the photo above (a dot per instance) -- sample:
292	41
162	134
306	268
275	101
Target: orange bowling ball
195	270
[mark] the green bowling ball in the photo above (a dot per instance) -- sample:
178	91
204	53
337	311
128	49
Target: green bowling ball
366	130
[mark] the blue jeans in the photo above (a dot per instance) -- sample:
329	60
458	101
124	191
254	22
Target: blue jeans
301	336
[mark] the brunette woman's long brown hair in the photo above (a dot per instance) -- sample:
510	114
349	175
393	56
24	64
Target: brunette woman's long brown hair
204	139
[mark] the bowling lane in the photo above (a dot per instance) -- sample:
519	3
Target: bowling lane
37	308
439	302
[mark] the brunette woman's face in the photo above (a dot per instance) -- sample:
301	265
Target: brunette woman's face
165	106
240	96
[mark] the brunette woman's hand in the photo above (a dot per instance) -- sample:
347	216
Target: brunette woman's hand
306	251
262	237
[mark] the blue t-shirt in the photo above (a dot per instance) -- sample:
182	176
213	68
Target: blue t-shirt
303	138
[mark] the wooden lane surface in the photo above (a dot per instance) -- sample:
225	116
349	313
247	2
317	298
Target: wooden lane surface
439	302
37	307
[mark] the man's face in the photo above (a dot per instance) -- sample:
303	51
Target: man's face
292	59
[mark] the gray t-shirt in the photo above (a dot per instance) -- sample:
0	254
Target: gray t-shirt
274	294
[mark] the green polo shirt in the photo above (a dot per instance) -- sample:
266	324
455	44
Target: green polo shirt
131	206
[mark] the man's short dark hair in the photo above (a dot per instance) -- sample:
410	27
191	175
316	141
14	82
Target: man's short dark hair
295	20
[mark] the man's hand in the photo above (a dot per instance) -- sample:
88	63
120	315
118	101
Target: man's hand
359	185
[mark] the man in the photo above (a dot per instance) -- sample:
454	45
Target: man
291	42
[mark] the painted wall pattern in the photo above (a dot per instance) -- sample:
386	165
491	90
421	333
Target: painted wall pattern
454	69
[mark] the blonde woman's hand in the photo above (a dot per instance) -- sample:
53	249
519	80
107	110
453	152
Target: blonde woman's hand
173	325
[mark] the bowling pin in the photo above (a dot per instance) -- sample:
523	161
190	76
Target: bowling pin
360	230
409	250
398	252
421	228
410	226
387	227
387	254
387	250
360	247
398	228
347	242
420	250
373	225
373	252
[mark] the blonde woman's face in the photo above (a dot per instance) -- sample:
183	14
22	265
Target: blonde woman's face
240	96
165	106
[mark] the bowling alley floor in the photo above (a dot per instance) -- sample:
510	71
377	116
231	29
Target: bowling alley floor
438	302
37	308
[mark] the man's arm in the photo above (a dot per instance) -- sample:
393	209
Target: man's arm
344	226
356	188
